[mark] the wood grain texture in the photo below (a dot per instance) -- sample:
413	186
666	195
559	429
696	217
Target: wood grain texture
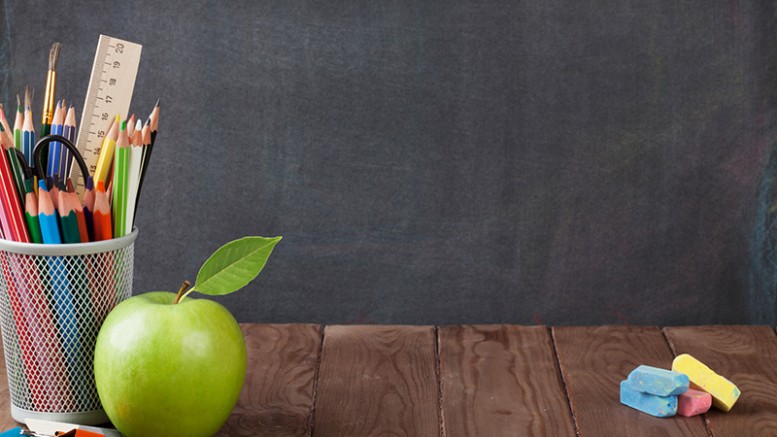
594	360
501	380
377	381
746	355
6	421
278	393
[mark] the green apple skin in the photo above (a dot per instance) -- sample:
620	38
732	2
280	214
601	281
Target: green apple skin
165	369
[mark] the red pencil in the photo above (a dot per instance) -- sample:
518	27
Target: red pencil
101	216
11	205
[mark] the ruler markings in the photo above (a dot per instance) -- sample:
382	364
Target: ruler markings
116	64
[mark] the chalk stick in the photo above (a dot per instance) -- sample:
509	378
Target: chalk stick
724	393
659	382
693	402
659	406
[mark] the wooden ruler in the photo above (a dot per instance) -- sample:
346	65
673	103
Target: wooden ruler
109	94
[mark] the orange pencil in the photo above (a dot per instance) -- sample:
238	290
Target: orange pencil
101	216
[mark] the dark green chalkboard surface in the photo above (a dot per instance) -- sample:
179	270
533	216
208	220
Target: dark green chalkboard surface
432	162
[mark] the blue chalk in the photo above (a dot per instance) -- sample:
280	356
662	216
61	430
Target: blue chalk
659	406
659	382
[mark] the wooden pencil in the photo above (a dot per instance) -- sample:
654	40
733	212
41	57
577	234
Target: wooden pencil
101	215
55	147
13	161
105	159
16	228
47	216
89	207
68	221
72	197
69	132
3	120
18	123
135	164
31	212
120	182
28	129
53	182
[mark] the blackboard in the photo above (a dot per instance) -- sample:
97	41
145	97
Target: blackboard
557	161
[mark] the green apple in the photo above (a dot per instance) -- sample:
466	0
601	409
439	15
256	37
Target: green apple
169	368
166	366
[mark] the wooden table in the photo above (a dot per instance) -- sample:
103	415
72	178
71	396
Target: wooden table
486	380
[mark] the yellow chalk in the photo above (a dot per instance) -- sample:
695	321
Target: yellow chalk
724	393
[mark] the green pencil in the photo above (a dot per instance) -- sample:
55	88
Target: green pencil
68	221
120	182
31	212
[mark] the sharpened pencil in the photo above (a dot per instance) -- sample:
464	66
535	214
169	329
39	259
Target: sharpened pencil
89	207
105	159
31	212
101	215
47	216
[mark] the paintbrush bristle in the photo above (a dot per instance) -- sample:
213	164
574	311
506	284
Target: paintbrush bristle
54	56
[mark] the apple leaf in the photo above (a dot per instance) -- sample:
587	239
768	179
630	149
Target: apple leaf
234	265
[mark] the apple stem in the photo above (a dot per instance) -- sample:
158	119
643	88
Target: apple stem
184	286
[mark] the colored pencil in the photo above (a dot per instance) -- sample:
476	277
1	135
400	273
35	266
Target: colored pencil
18	123
120	183
28	130
89	207
75	204
55	147
47	216
131	126
47	113
31	212
13	161
101	214
53	182
146	140
135	163
3	120
16	229
68	220
104	160
69	132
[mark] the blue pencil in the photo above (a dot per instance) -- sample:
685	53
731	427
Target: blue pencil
47	215
55	147
62	296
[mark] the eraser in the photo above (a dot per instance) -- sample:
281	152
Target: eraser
693	402
724	393
659	382
659	406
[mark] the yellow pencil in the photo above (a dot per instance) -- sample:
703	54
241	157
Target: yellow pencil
105	160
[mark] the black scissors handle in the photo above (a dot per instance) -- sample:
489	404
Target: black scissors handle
38	150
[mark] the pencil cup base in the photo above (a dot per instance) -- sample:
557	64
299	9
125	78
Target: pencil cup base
96	417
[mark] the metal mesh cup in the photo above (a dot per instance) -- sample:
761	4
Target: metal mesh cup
53	300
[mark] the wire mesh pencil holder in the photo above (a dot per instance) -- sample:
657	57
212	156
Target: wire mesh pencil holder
53	301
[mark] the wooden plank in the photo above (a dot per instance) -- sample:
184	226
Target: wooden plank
746	355
278	393
501	380
377	380
594	360
6	420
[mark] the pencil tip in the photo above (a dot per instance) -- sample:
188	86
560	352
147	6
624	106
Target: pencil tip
157	103
90	183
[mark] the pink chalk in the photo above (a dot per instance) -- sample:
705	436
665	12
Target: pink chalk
693	402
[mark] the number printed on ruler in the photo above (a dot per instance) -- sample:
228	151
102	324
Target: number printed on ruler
109	94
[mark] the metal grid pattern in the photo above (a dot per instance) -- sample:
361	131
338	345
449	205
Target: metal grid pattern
51	310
